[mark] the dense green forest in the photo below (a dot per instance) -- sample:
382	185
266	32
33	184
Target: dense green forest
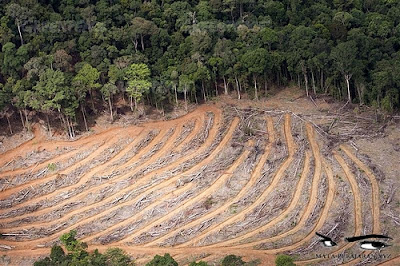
69	58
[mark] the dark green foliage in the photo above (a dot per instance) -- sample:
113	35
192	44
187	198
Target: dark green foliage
78	254
165	260
57	254
232	260
117	257
70	59
284	260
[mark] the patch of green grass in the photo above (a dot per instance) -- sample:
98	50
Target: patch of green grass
52	167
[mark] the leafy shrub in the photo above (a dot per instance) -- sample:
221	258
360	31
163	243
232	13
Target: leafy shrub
284	260
52	167
117	257
165	260
78	255
232	260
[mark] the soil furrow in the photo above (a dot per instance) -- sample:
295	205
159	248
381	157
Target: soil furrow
291	148
209	140
13	192
211	189
82	194
357	209
242	192
312	202
375	204
107	142
293	203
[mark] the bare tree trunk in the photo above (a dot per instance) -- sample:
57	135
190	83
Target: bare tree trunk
306	83
22	119
216	88
225	86
347	77
84	117
135	104
237	87
72	128
176	95
111	109
26	120
142	42
9	124
91	99
195	97
62	119
184	95
255	87
313	82
304	70
360	90
70	133
131	102
20	33
204	91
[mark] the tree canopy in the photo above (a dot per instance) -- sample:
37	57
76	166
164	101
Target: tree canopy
58	56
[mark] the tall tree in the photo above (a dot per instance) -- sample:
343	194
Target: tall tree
255	62
85	81
344	57
138	78
108	90
49	93
21	16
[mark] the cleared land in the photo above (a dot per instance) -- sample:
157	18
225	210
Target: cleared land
216	181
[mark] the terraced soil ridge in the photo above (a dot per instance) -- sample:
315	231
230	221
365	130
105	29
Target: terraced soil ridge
186	186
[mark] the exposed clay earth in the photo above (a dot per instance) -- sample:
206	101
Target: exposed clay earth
254	179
